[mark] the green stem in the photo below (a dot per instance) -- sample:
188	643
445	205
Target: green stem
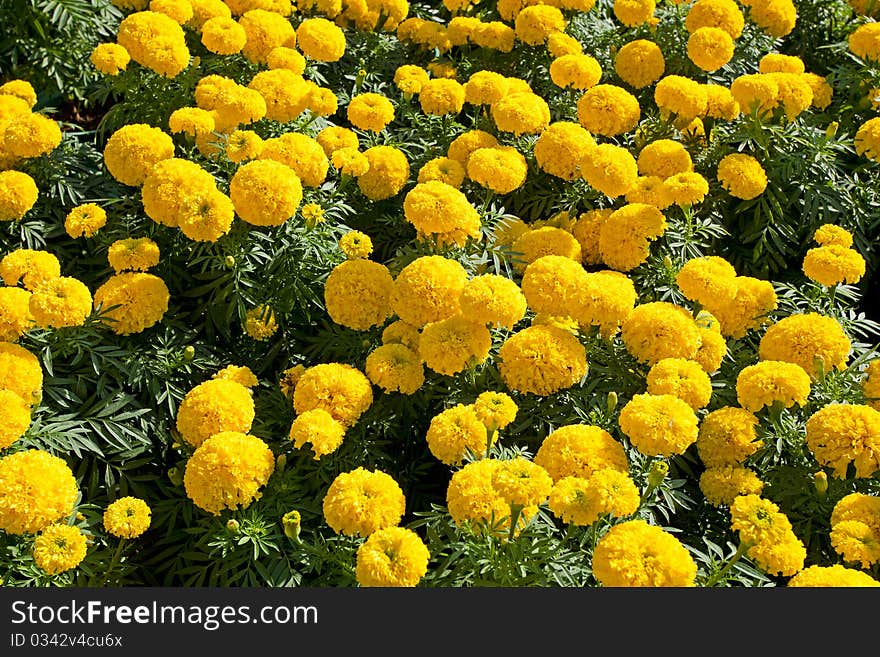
719	576
113	562
515	511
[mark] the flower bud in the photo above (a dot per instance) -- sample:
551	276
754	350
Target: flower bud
176	476
658	472
232	526
230	261
280	462
189	353
291	521
820	481
667	262
611	401
831	130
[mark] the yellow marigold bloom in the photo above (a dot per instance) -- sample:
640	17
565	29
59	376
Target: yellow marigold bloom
20	89
449	346
659	329
867	139
501	169
15	313
286	58
708	280
410	78
742	176
435	207
659	425
350	162
284	93
85	220
321	40
776	17
664	158
461	147
535	23
362	501
815	342
774	62
300	153
723	14
625	237
580	450
154	41
722	484
474	503
31	135
687	188
210	219
795	94
640	63
681	378
728	437
399	332
132	151
681	96
494	35
265	192
334	137
871	384
357	294
545	241
606	300
754	298
586	231
835	576
428	290
20	372
239	374
769	381
858	507
318	428
340	389
831	235
395	368
442	169
521	113
127	517
16	417
583	501
561	149
542	360
36	489
109	58
634	12
560	43
59	548
521	482
610	169
755	92
265	30
577	71
132	302
180	11
62	301
496	410
222	35
212	407
458	432
822	91
204	10
494	300
387	173
133	254
440	69
289	378
440	96
840	434
18	193
392	557
634	553
713	349
553	284
856	542
773	544
485	88
356	244
710	48
608	110
174	189
720	103
227	471
260	322
193	121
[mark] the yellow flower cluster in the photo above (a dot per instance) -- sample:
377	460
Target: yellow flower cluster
772	544
59	548
338	388
659	424
728	436
318	428
395	367
844	435
36	490
580	450
855	529
815	342
127	517
771	382
214	406
583	501
358	294
392	557
361	502
833	261
542	360
458	432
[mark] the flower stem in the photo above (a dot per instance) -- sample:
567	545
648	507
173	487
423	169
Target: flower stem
719	576
113	562
515	511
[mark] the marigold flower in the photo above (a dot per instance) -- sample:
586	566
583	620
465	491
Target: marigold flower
769	382
131	152
439	96
265	30
318	428
521	113
561	149
458	432
154	41
587	230
720	103
395	368
659	329
59	548
265	192
321	40
361	502
20	372
840	434
18	194
834	576
15	313
473	502
370	111
755	92
815	342
132	302
723	14
867	139
728	436
285	94
776	17
583	501
634	12
687	188
227	471
681	96
577	71
753	300
664	158
608	110
391	557
639	63
387	173
610	169
133	254
485	88
659	425
36	489
773	544
449	346
340	389
239	374
580	450
428	290
634	553
625	236
435	207
16	417
542	360
722	484
223	35
681	378
60	302
127	517
544	241
501	169
494	300
212	407
521	483
260	322
443	169
710	48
